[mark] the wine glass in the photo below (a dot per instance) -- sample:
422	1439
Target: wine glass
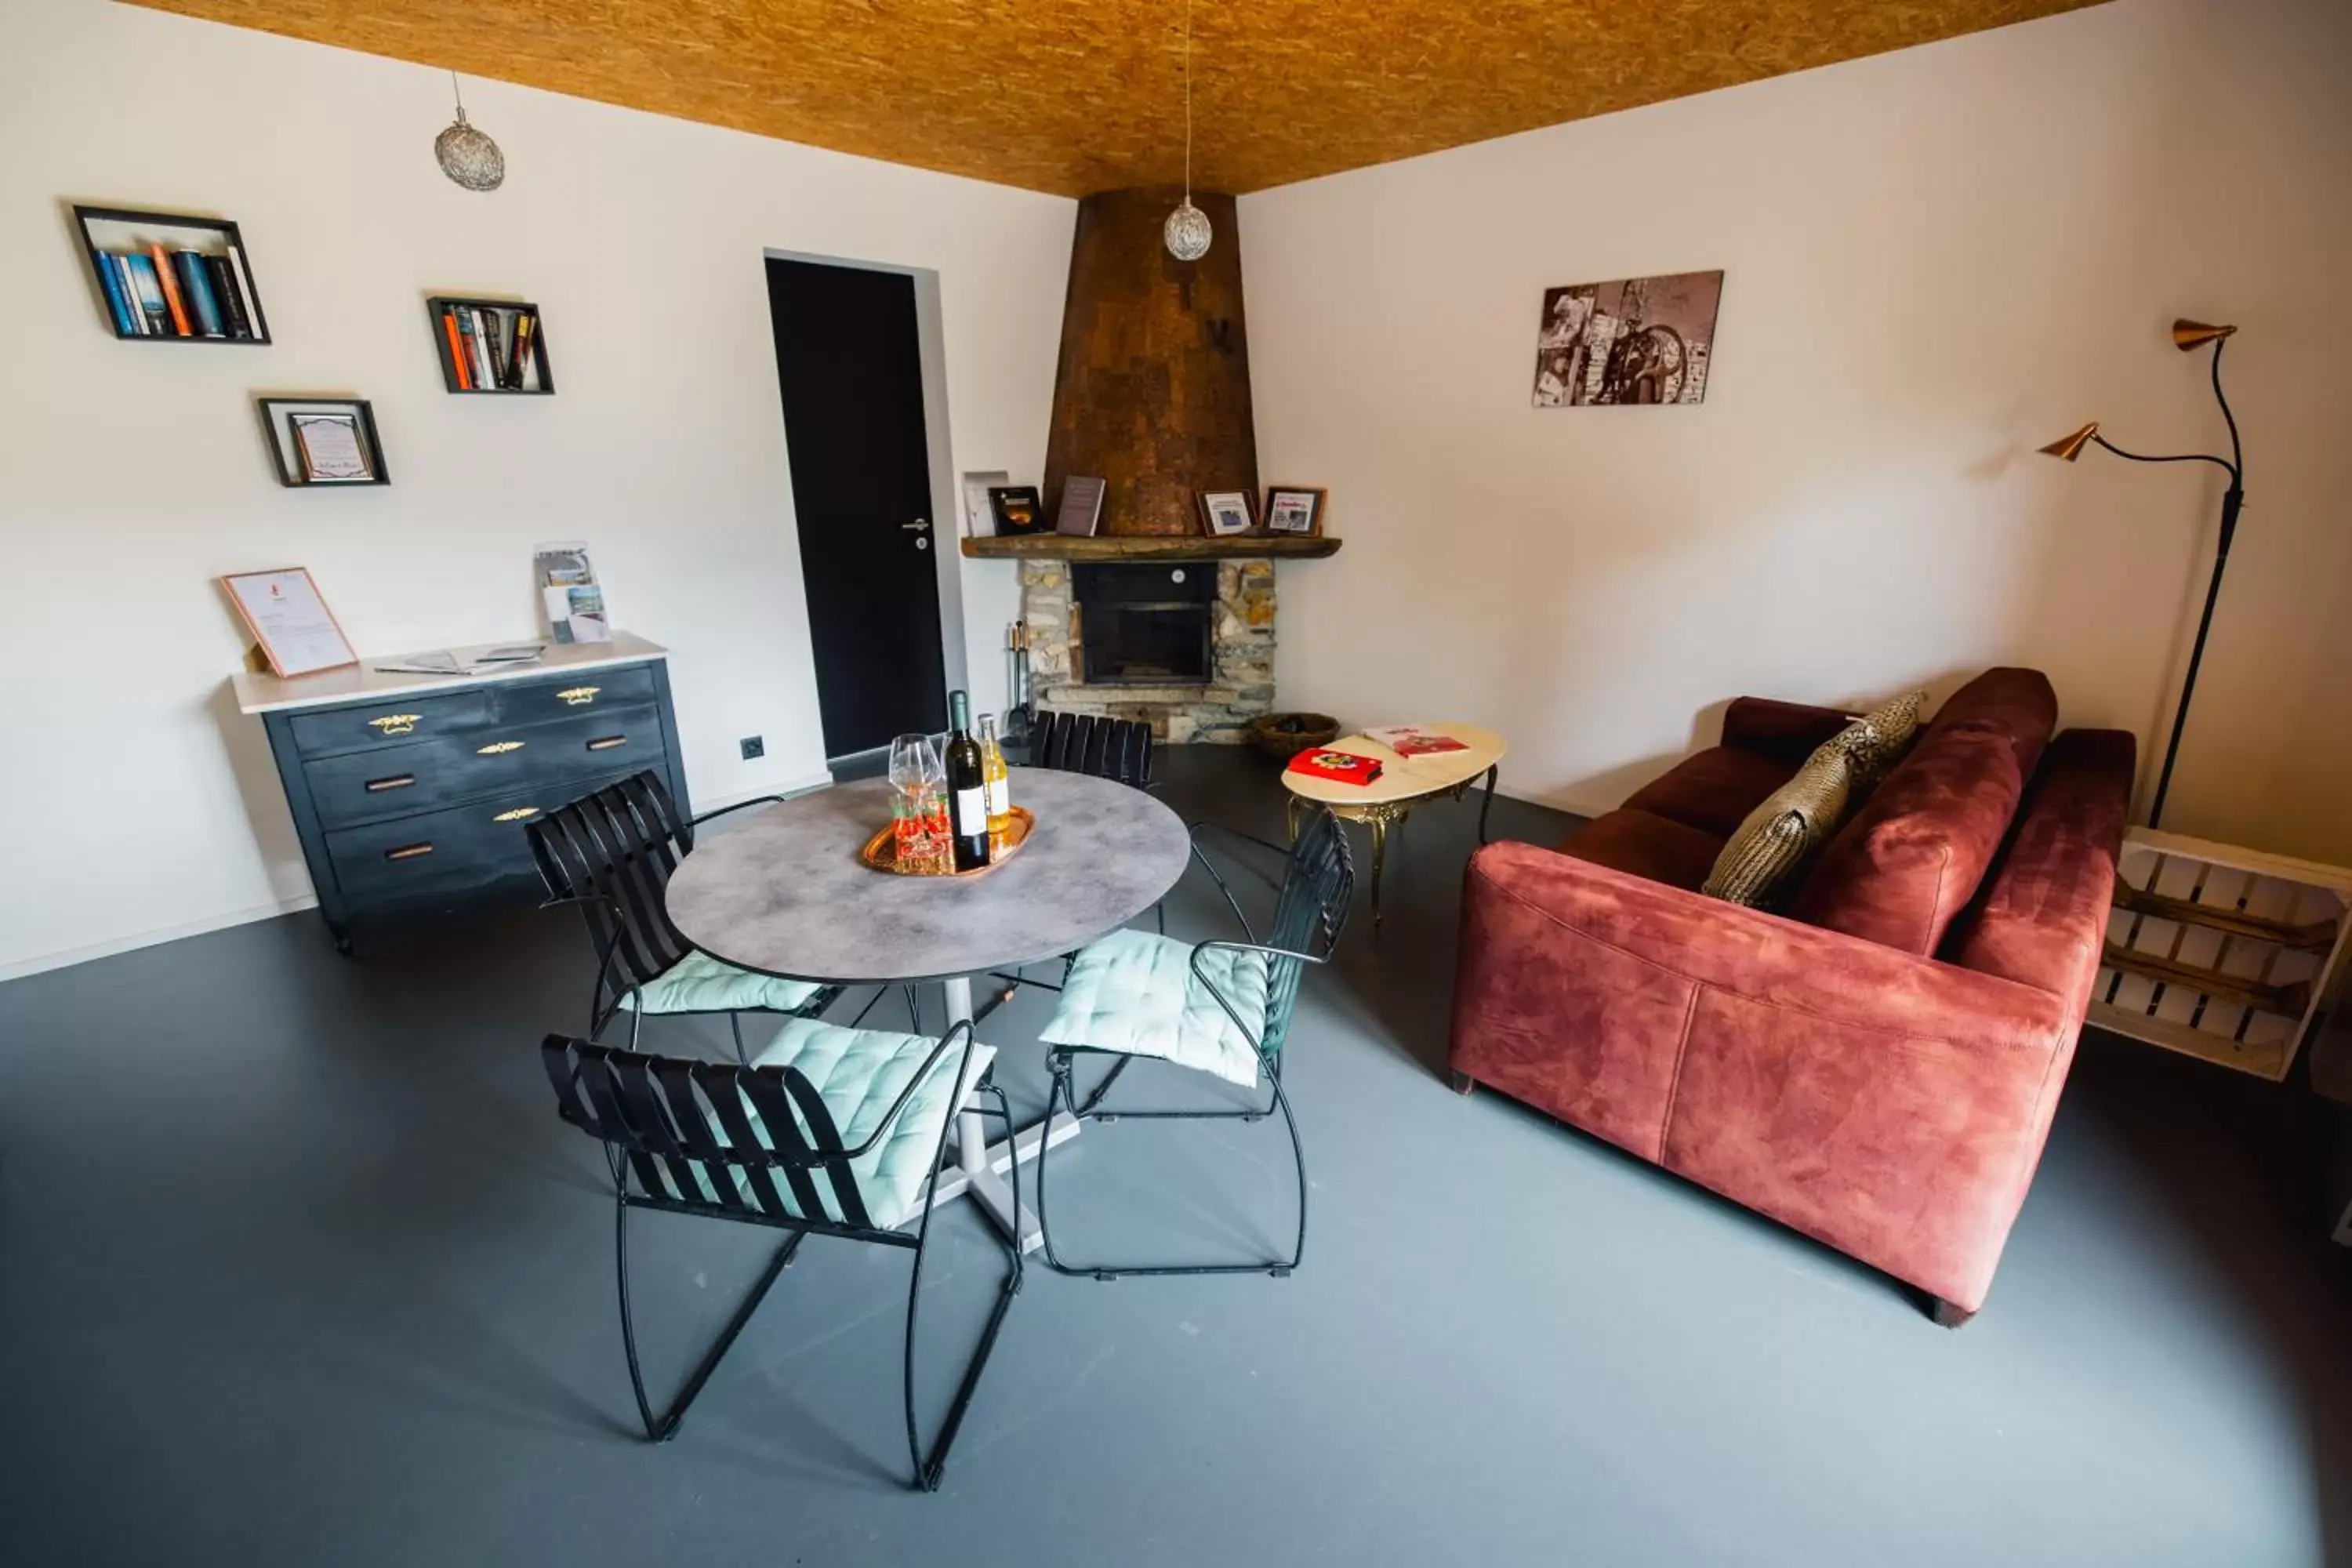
918	777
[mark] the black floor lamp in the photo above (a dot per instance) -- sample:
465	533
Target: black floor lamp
2186	335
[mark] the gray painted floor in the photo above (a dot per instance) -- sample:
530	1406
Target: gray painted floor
297	1266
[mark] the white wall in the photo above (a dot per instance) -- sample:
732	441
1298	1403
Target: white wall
140	803
1936	261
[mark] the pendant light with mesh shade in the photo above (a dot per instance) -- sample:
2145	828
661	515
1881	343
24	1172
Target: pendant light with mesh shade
1187	230
467	155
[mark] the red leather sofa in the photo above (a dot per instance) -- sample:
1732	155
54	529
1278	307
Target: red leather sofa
1876	1069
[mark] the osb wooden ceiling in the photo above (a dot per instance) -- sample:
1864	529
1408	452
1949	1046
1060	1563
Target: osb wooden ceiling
1077	96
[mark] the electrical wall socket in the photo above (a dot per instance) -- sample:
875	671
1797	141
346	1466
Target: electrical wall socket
754	746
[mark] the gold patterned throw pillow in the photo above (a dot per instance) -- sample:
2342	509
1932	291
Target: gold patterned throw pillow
1874	742
1760	861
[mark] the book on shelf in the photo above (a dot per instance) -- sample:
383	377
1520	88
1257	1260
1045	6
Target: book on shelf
224	290
486	346
526	324
118	301
183	293
149	289
197	288
160	260
468	368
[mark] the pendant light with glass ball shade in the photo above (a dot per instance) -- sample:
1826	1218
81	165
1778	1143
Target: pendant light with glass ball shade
467	155
1187	230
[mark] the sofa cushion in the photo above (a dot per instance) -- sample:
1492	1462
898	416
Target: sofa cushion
2042	917
1880	739
1910	860
2020	702
1788	731
1714	790
1760	862
1643	844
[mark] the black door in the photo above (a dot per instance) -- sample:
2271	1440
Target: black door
848	355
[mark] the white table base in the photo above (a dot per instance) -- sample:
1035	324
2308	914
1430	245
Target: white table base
980	1166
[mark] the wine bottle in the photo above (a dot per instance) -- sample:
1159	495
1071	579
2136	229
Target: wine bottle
993	774
967	788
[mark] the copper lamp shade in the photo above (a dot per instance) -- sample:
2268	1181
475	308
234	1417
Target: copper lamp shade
2187	334
2071	448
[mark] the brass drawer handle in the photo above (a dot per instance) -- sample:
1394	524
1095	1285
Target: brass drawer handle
606	743
408	852
397	780
578	696
519	813
499	748
395	723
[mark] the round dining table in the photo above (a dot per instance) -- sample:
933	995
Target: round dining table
783	891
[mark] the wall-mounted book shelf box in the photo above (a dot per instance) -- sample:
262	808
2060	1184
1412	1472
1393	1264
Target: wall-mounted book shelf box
167	277
491	346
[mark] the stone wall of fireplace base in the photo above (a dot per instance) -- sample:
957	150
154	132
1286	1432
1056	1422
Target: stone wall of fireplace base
1241	684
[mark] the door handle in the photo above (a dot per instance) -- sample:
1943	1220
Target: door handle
922	524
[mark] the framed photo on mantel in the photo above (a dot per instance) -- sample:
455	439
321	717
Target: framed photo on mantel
1294	509
1082	505
1016	510
1226	512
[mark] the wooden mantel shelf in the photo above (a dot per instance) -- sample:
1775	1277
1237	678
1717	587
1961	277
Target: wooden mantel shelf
1148	547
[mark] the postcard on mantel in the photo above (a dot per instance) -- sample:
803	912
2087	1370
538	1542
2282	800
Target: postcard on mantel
284	612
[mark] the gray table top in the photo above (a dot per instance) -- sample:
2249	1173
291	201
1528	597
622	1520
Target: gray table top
784	893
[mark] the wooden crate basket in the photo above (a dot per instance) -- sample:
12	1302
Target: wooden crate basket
2227	954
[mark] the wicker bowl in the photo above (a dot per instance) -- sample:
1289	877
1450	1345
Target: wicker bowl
1283	736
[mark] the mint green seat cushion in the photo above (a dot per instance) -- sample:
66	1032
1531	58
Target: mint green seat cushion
859	1074
1135	993
700	984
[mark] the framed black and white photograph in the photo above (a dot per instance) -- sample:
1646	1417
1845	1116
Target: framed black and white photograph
1226	512
321	441
1294	509
1632	340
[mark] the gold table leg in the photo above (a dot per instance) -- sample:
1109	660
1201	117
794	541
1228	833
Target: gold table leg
1380	817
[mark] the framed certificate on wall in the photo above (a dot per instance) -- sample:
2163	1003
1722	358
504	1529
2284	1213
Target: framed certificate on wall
289	621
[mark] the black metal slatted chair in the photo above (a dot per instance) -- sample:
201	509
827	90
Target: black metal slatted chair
1223	1007
1115	749
1089	743
612	854
771	1144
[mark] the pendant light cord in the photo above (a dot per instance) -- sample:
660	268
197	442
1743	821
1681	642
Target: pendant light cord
1187	102
458	93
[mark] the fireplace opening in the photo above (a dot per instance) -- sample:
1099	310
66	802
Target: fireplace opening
1142	625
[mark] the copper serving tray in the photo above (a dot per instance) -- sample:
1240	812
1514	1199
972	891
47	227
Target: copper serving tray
880	851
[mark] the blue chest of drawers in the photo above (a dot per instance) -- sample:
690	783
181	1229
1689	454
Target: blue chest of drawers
410	795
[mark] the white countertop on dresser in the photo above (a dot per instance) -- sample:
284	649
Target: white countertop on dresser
266	693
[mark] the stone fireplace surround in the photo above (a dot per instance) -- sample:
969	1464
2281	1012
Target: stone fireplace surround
1241	643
